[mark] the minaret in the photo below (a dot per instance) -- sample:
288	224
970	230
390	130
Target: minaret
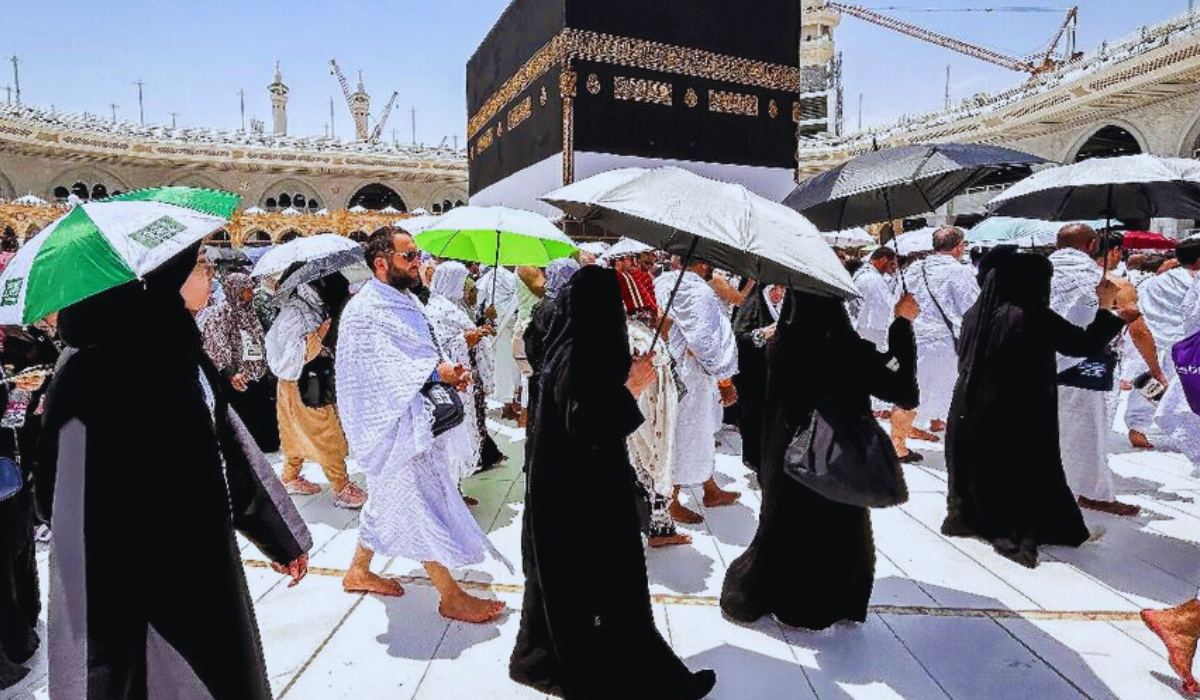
360	107
819	67
279	93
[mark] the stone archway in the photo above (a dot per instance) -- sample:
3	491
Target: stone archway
7	191
1111	139
197	180
289	189
83	179
1190	148
376	196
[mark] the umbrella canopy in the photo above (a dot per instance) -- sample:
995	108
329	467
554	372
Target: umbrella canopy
348	262
626	246
416	224
496	235
254	211
304	250
1147	240
596	248
1000	230
913	242
1126	187
849	238
30	199
725	224
101	245
903	181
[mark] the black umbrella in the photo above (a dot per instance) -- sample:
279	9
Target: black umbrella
340	261
903	181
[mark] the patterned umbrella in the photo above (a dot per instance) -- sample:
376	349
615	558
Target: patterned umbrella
101	245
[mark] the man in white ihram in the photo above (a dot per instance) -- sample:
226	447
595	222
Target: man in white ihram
386	353
703	348
945	289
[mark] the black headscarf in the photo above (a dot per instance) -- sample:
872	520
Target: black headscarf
590	322
1007	277
334	291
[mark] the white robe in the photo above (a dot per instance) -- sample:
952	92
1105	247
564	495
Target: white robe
1161	301
652	445
450	324
1083	425
385	354
702	344
955	288
507	375
876	306
301	314
1175	416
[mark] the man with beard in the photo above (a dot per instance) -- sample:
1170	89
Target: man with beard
386	354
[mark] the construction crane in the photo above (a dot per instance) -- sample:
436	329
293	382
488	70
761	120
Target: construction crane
387	112
1033	66
358	102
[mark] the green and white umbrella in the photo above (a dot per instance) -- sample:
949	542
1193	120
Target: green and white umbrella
101	245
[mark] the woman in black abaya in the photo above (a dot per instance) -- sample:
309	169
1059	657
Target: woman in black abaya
752	327
1007	372
587	629
140	443
812	561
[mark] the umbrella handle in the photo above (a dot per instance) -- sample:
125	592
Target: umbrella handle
887	202
496	269
674	290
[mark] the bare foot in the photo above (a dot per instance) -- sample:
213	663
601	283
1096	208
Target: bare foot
1139	440
918	434
885	415
716	498
684	515
668	541
937	426
367	582
468	608
1124	510
1180	643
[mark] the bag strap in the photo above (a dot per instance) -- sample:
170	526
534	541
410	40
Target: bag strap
936	303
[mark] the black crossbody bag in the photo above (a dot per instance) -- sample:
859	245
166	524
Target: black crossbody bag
448	409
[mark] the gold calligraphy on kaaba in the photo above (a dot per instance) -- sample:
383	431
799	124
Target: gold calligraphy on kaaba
484	142
520	113
733	103
639	90
635	53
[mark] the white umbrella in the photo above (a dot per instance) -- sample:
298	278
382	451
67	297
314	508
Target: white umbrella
419	211
304	249
30	199
290	211
357	209
416	224
389	209
596	248
1032	233
725	224
626	246
849	238
254	211
913	242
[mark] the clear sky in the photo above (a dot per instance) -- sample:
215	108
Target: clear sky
194	55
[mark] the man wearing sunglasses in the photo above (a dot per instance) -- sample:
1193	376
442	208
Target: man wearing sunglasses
386	354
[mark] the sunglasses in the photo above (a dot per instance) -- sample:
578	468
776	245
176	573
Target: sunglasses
409	255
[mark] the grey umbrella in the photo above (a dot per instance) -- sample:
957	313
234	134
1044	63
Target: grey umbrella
903	181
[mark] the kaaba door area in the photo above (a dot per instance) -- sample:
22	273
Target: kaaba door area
562	89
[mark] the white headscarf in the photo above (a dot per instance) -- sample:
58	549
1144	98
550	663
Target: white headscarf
449	280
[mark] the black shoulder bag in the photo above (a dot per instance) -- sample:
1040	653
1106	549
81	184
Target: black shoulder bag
448	410
317	385
845	456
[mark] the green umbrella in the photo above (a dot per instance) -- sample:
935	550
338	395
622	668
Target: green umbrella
495	235
101	245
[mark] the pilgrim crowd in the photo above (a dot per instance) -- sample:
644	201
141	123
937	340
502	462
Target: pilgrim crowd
624	370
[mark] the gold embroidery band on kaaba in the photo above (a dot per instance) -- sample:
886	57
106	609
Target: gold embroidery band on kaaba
639	90
635	53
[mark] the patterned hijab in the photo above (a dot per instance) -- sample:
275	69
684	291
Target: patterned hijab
233	333
449	281
557	274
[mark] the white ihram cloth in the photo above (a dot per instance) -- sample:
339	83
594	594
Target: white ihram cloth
385	354
1083	425
652	445
702	345
287	341
1175	416
450	324
507	375
1160	299
955	288
876	308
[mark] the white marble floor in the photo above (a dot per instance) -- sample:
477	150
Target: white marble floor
950	619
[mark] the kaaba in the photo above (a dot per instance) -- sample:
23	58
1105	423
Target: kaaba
562	89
